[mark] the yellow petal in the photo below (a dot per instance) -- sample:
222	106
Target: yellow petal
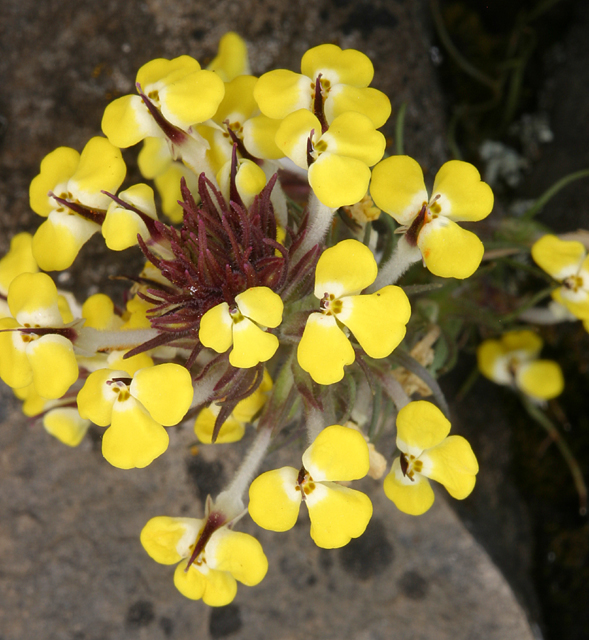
121	226
15	369
453	464
274	500
420	425
411	497
559	258
56	169
19	259
59	239
54	365
259	135
126	121
345	269
261	305
232	430
293	134
251	345
462	194
527	343
398	188
281	92
96	398
192	98
324	349
337	514
168	186
160	70
165	390
116	360
347	66
32	298
154	157
232	58
337	180
166	539
368	101
490	356
66	425
101	168
449	251
191	583
238	553
377	320
353	135
98	311
238	103
216	328
220	588
541	379
337	453
134	439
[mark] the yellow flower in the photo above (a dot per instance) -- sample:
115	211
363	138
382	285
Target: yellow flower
226	557
428	452
231	59
233	428
78	181
513	361
35	349
136	409
343	77
338	159
568	263
244	327
430	224
377	320
19	259
181	93
337	513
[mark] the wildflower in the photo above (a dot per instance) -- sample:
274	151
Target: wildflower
136	408
337	513
428	452
222	557
174	95
338	158
244	327
68	192
233	428
458	195
567	263
332	82
377	320
513	361
35	345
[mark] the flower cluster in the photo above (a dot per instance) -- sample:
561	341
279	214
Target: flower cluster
256	303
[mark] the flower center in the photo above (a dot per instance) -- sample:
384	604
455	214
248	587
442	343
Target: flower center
305	483
573	283
330	305
410	465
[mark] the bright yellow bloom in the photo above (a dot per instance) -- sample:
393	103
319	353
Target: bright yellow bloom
513	361
136	410
337	513
377	320
568	263
428	452
182	92
344	76
227	557
339	159
244	327
79	180
458	196
233	428
46	358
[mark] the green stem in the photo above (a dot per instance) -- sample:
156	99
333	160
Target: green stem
552	191
542	419
399	129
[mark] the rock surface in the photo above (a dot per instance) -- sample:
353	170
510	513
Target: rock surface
71	566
